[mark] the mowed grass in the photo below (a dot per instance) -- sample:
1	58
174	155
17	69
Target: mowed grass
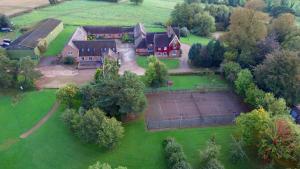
197	82
171	63
88	12
21	112
192	39
54	146
60	41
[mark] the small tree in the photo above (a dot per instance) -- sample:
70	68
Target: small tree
137	2
184	32
231	70
7	72
68	95
275	106
243	81
156	74
203	24
209	156
27	73
4	21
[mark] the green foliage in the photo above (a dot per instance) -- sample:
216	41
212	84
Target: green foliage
137	2
126	38
231	55
53	2
231	70
216	50
209	156
184	32
175	155
99	165
109	70
156	74
4	21
171	63
203	24
243	81
27	73
279	73
237	153
7	72
251	124
42	45
284	25
277	11
68	95
94	127
69	60
254	96
275	106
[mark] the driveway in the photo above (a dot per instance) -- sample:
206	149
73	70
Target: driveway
128	59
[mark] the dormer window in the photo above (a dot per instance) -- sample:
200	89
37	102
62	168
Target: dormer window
88	49
159	48
82	49
165	48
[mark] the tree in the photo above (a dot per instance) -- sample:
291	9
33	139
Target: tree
109	70
279	141
216	50
278	10
68	95
243	81
94	127
292	41
209	156
184	32
7	72
156	74
251	124
279	73
137	2
266	46
53	2
131	95
183	14
247	27
231	70
27	73
255	4
237	152
221	14
203	24
99	165
283	25
254	96
4	21
275	106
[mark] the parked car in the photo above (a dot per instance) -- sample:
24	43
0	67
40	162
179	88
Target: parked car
295	113
7	41
6	30
4	45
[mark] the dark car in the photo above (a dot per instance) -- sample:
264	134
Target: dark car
6	30
7	41
295	113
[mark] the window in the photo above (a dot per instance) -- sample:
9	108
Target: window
165	53
81	58
82	49
159	49
88	49
174	53
70	53
90	58
165	48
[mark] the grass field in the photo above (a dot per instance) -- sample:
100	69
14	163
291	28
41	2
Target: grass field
170	63
21	112
54	146
84	12
197	82
60	41
192	39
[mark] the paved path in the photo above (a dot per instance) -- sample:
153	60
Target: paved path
41	122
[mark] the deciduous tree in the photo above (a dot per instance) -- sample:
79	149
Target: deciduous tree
156	74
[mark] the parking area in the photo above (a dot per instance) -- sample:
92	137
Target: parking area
192	109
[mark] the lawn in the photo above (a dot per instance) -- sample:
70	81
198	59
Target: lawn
87	12
21	112
170	63
197	82
192	39
60	41
53	146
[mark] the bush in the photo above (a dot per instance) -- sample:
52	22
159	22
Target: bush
156	74
4	21
68	95
69	60
184	32
208	157
254	96
276	11
231	70
175	155
237	153
203	24
94	127
243	81
98	165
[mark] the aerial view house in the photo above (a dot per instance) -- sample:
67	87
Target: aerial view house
89	45
27	44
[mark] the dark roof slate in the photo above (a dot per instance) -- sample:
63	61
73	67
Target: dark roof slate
31	38
94	48
161	40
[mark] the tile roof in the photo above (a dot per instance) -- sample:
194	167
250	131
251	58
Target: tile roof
94	48
162	40
31	38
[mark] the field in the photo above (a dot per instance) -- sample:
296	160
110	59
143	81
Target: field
53	145
170	63
190	82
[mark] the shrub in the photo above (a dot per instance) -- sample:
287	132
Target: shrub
231	70
276	11
68	95
254	96
69	60
184	32
156	74
203	24
243	81
237	153
175	155
4	21
98	165
94	127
